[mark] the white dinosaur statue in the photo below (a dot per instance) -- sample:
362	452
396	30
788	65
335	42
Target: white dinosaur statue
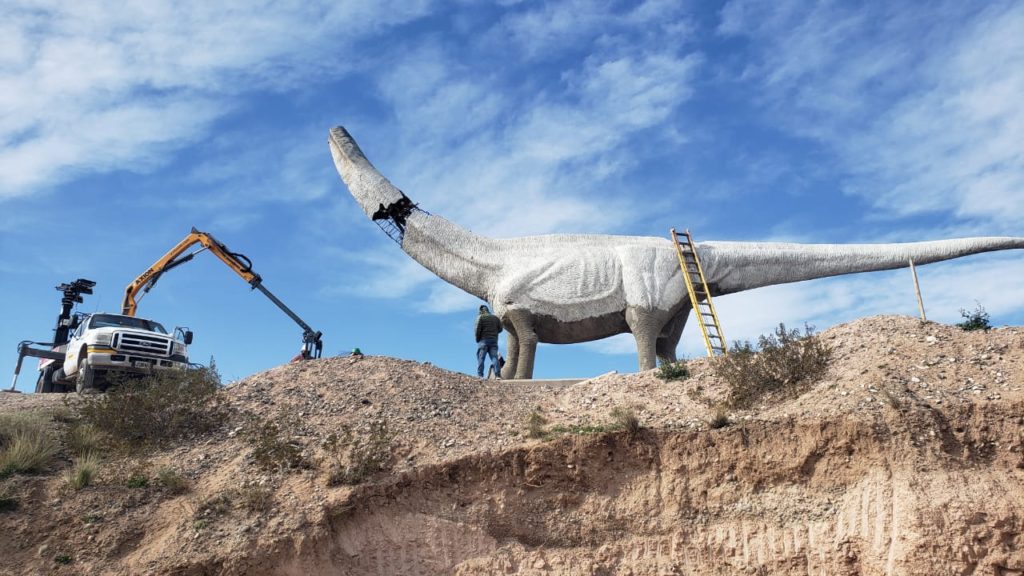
568	288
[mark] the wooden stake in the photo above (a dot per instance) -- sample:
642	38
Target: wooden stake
917	289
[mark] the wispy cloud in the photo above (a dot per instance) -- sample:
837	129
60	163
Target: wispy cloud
921	107
87	88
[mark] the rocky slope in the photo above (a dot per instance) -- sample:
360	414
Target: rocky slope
905	459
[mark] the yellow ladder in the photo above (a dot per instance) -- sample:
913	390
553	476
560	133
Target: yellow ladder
700	296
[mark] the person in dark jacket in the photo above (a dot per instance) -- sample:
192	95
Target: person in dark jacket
488	326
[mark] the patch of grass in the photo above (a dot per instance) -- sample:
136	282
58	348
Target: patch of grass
720	419
785	363
91	518
670	371
625	419
83	471
535	423
272	449
27	443
200	524
63	559
170	479
137	480
975	320
85	438
353	458
157	409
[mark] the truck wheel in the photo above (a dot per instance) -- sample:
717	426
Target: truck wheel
45	383
84	380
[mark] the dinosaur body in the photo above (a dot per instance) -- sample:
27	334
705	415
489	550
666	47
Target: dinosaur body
569	288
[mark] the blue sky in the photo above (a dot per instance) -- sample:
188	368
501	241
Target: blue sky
775	120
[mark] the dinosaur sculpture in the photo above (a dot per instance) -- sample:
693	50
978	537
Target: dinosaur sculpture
569	288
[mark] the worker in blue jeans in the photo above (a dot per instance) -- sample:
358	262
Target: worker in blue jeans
488	326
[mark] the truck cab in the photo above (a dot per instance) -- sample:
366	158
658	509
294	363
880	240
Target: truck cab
107	343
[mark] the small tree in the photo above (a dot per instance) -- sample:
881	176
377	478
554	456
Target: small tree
976	320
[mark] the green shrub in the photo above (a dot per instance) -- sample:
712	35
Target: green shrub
787	364
151	411
354	458
83	472
137	480
670	371
27	443
63	559
976	320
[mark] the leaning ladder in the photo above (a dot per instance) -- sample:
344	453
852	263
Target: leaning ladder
700	296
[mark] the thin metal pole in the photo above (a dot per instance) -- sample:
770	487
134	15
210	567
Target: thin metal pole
917	289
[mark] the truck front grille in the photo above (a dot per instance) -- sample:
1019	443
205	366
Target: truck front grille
142	343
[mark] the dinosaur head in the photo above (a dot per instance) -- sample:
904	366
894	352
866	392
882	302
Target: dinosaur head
374	193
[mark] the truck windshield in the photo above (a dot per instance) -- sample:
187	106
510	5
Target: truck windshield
115	321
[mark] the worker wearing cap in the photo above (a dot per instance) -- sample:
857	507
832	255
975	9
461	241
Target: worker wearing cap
488	326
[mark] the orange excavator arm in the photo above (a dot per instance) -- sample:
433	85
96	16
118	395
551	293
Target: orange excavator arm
312	346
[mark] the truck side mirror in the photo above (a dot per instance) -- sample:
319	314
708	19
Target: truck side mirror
188	337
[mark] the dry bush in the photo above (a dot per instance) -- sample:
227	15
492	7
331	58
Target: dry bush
785	363
151	411
83	472
272	448
720	419
353	458
255	498
27	443
535	424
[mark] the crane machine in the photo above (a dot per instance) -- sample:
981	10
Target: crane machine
312	345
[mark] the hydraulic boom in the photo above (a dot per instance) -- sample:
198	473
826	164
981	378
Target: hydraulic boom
312	346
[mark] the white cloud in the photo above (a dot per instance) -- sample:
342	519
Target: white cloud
88	88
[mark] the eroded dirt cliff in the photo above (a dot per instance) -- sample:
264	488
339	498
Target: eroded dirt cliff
906	459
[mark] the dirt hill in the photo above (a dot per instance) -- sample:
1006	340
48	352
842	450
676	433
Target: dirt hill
905	459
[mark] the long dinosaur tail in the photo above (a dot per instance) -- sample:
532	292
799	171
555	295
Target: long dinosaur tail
735	266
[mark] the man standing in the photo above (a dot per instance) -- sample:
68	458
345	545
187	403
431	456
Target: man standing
487	329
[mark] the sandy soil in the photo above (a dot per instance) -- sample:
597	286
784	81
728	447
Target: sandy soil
905	459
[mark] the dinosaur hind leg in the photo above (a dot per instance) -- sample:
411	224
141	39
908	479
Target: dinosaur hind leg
526	337
645	325
511	353
668	341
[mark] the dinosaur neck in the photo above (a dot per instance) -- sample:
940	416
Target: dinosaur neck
737	266
458	256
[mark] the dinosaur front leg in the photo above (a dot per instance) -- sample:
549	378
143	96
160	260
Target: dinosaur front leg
522	325
645	326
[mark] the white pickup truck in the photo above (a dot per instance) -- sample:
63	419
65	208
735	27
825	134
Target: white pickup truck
112	343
